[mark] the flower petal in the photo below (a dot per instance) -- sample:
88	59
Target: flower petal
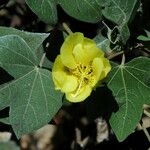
85	52
58	68
107	66
84	93
58	65
62	79
97	66
64	82
67	49
70	84
59	78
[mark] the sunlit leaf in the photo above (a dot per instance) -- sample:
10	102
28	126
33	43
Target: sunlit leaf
34	40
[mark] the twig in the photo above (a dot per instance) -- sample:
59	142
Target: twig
145	131
146	113
66	27
78	135
79	141
115	55
43	57
42	60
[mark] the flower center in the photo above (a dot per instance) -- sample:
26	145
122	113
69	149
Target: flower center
84	73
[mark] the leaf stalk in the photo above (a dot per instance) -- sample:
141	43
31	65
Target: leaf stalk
42	60
66	27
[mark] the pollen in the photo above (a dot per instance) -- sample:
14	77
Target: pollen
83	72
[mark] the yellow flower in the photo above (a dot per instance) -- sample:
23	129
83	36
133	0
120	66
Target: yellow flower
80	66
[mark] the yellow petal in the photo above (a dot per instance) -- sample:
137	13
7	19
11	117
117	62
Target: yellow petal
62	79
83	94
97	67
58	78
65	82
107	66
85	52
58	68
88	43
67	49
92	49
58	65
70	84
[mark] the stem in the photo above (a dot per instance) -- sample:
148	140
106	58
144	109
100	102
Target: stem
115	55
146	50
123	60
145	131
42	60
146	113
78	135
106	26
66	27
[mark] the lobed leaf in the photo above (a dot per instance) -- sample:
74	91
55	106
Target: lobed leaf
31	96
129	84
34	41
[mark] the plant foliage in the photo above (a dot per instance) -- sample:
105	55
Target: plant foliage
30	93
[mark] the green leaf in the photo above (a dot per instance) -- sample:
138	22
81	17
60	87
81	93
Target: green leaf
8	146
129	84
120	12
45	9
124	32
85	10
16	57
5	120
34	40
47	63
147	33
103	43
143	38
31	96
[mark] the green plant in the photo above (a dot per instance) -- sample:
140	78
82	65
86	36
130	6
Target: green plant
31	96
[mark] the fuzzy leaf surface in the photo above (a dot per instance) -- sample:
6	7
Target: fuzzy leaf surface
131	89
31	96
